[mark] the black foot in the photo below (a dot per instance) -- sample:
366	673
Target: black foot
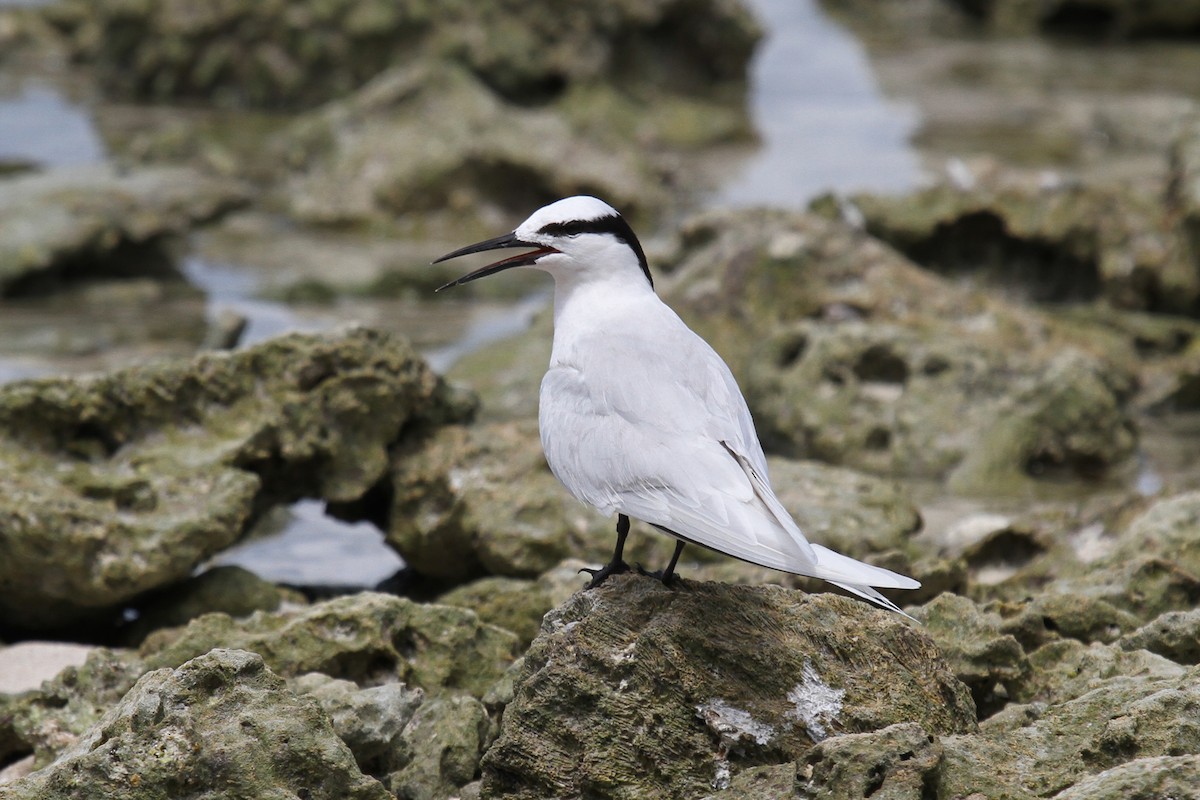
668	578
599	576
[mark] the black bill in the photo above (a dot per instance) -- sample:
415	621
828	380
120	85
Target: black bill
507	240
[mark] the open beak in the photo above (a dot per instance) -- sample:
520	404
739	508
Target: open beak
507	240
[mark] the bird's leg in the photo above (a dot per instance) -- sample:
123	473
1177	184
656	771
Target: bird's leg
616	564
667	576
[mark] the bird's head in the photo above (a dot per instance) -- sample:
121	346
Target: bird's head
576	237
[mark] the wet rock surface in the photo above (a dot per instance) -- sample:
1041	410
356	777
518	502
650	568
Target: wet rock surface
102	222
104	470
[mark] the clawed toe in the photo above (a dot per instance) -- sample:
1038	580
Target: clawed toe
600	575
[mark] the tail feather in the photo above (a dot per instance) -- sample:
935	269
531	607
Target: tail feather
833	567
867	593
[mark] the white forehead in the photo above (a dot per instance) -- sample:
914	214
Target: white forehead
570	209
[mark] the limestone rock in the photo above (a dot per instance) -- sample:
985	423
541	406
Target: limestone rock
230	590
849	353
984	657
1038	751
297	54
896	763
1059	243
443	742
221	720
370	721
1066	669
633	687
95	222
367	638
515	604
1175	635
1176	777
100	505
51	719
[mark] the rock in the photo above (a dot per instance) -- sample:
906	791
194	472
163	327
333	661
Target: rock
1103	20
477	501
1168	530
480	500
229	590
221	720
898	763
870	362
985	658
515	604
1060	243
305	53
1045	750
436	144
1066	669
370	721
1173	777
770	782
104	470
444	740
1073	615
1175	635
92	222
624	692
52	719
367	638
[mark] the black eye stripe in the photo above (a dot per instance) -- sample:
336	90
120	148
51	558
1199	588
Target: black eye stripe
615	225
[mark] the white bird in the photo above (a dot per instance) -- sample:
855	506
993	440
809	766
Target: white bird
640	417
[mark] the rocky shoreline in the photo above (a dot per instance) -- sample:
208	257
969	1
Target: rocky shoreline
991	383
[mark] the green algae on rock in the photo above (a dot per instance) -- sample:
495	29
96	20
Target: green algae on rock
50	719
1036	751
97	221
633	687
369	720
1057	243
367	638
105	470
849	353
443	743
435	143
301	53
899	761
221	722
985	658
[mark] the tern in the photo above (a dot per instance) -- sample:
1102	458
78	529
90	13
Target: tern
640	417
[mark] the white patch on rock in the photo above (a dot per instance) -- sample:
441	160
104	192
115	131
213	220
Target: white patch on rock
624	654
815	703
720	779
733	724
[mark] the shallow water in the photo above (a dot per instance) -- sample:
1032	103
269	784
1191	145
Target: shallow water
39	124
822	119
